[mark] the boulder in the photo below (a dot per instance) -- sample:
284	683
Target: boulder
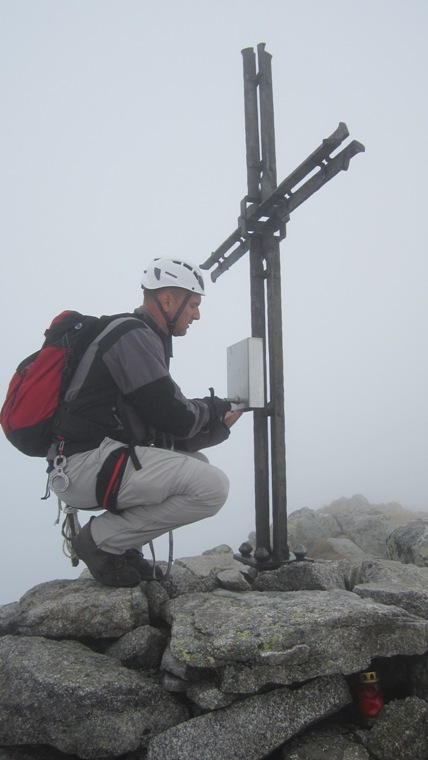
409	543
63	694
33	753
313	576
334	742
204	573
76	609
345	528
337	548
400	731
298	635
367	525
390	582
139	649
254	727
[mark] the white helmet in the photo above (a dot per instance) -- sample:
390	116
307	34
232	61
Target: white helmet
167	273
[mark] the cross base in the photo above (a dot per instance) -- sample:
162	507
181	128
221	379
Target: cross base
262	559
269	564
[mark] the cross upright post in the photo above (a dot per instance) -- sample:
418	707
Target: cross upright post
265	211
265	283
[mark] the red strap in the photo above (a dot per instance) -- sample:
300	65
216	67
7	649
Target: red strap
113	480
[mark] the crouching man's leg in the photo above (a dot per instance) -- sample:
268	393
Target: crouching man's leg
170	490
109	569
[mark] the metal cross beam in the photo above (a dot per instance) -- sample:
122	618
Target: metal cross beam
264	214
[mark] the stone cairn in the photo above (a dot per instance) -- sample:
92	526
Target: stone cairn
222	661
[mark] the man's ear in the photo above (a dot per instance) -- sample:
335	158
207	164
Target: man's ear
165	297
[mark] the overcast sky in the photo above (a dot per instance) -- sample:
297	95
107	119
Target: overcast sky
122	138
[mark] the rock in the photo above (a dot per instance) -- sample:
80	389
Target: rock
390	582
181	669
207	696
309	633
253	727
79	608
338	548
156	596
409	543
325	532
217	552
183	581
33	753
234	580
174	684
332	743
63	694
305	575
368	525
8	616
400	731
141	648
305	526
204	573
419	677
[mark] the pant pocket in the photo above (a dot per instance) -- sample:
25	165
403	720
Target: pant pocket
110	478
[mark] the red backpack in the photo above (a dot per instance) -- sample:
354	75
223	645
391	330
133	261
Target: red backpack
41	380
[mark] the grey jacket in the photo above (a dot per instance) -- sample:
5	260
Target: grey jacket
123	389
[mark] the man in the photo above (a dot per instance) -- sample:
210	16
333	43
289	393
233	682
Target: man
127	439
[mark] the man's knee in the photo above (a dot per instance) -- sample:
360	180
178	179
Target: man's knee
217	484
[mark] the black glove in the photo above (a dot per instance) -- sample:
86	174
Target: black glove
217	407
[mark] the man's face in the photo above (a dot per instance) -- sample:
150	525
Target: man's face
189	313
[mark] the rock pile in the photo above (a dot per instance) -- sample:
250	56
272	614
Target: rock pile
349	527
221	661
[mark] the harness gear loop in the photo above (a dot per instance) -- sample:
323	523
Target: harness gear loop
170	555
70	528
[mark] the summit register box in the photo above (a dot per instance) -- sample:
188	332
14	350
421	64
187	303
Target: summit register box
245	374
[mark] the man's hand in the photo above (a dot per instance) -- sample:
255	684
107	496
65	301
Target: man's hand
218	408
231	417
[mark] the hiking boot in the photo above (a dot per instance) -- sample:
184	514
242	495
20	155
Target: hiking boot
135	559
109	569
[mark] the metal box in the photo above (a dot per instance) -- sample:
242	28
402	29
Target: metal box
245	375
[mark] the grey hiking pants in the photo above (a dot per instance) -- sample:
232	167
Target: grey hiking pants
171	489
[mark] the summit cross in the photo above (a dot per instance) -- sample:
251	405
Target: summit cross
264	213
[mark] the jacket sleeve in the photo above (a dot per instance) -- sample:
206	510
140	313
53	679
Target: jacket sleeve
215	434
137	364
